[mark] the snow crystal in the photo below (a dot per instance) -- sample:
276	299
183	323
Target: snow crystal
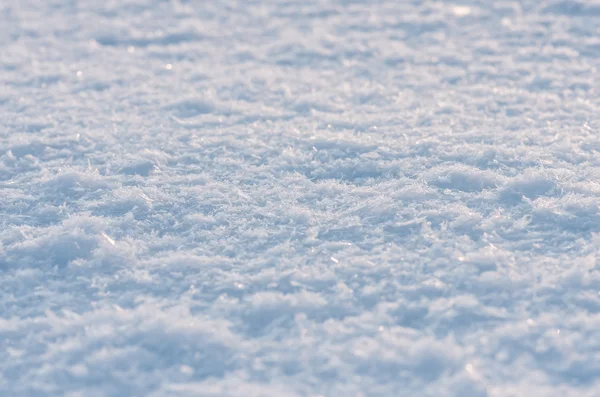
299	198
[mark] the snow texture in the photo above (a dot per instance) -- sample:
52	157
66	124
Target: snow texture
294	198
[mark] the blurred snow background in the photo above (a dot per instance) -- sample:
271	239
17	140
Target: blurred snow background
299	198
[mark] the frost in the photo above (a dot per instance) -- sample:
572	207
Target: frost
299	198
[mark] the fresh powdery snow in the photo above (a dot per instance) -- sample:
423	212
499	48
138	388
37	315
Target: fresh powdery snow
299	198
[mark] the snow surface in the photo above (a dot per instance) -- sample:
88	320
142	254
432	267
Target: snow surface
299	198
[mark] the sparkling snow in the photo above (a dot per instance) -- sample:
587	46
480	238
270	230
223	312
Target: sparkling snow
290	198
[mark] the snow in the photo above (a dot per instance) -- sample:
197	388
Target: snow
299	198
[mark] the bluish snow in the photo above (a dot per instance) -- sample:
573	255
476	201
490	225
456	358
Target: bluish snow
294	198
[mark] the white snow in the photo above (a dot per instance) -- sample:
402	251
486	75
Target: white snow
299	198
